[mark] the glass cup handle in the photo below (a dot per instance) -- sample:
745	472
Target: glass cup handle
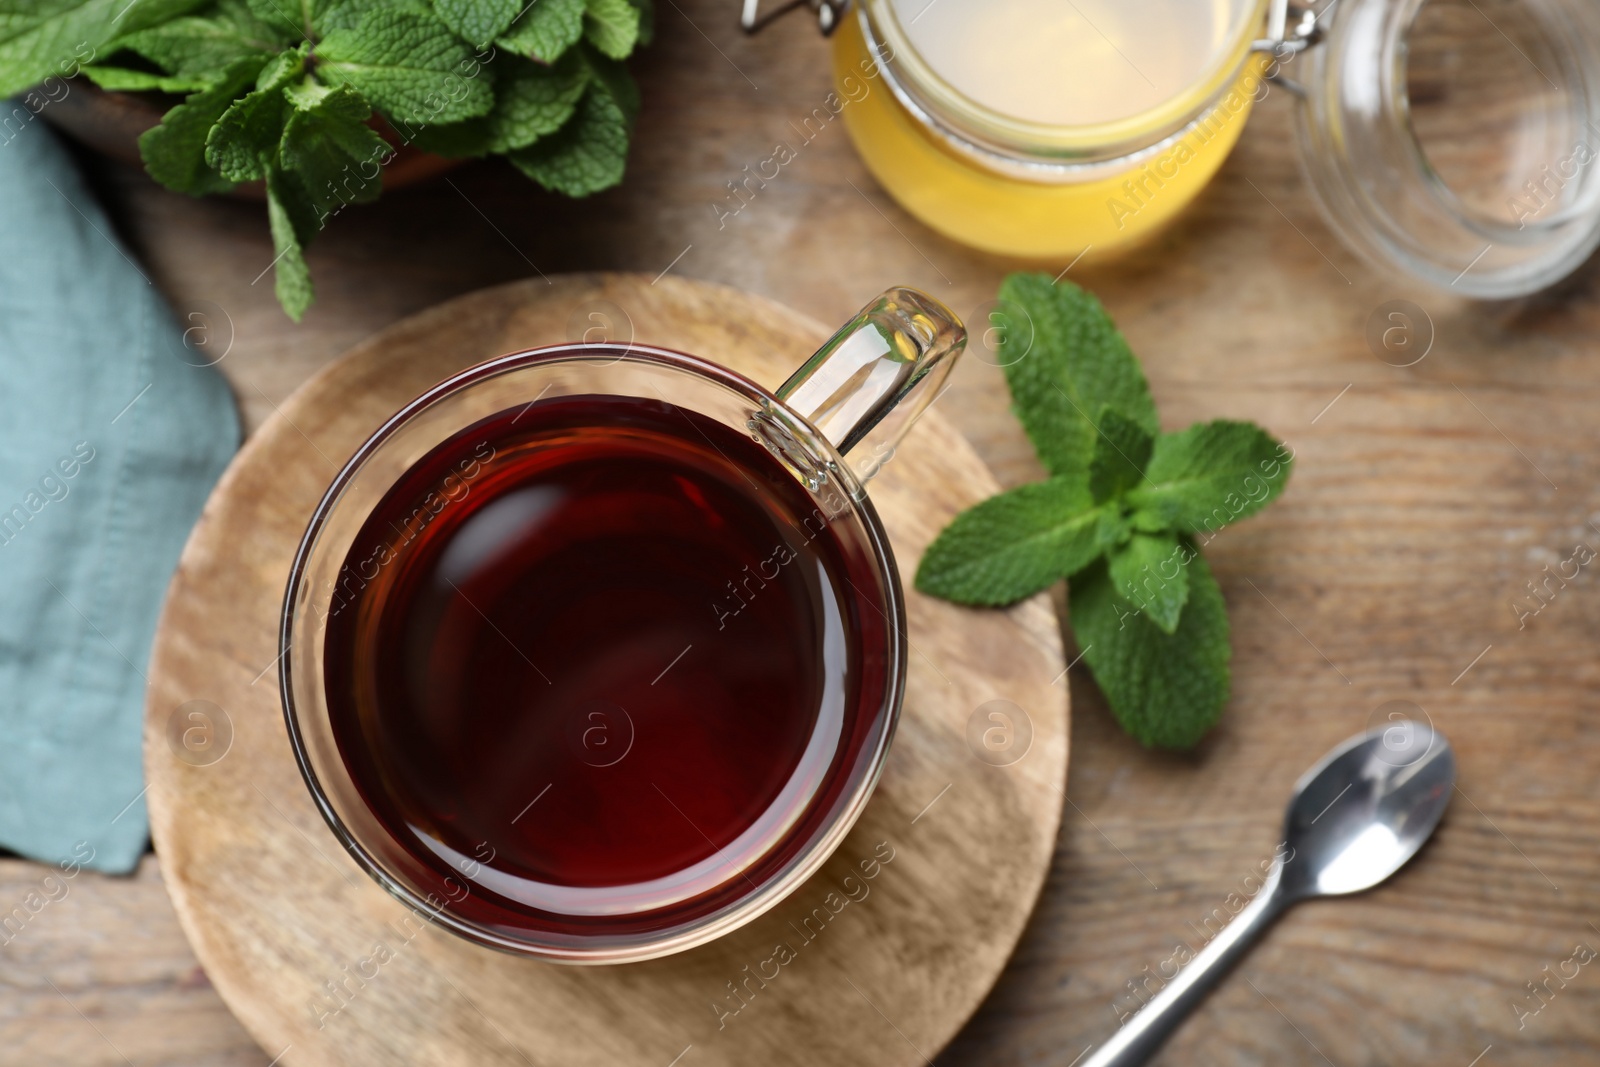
867	385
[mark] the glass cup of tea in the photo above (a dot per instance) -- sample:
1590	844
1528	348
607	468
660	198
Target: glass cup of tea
594	652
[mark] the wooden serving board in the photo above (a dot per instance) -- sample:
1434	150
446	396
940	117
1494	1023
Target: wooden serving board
323	967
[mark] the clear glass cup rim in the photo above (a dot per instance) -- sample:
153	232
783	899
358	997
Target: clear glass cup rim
809	859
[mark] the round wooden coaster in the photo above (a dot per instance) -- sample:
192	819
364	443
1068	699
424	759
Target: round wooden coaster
879	958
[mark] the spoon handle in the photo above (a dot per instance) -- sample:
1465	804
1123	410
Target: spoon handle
1143	1034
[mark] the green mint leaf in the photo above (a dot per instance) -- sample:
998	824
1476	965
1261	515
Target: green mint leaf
142	14
1165	689
1148	522
195	47
1115	529
293	20
291	279
409	66
243	145
586	155
457	140
1014	544
124	79
297	203
283	68
1121	449
479	21
546	30
40	39
1209	475
175	152
612	26
533	100
308	94
278	32
1151	573
612	76
647	20
347	14
44	38
1077	363
335	157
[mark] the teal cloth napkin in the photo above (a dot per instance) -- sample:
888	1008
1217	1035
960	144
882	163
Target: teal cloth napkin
112	433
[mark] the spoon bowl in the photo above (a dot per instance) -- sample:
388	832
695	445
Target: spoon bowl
1365	809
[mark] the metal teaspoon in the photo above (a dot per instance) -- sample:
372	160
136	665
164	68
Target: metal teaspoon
1355	818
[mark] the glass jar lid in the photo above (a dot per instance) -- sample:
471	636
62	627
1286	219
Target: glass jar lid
1457	141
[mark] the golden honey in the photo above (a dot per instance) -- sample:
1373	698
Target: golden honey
1040	129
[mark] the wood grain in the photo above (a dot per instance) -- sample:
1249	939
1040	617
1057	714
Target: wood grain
316	959
1415	515
100	973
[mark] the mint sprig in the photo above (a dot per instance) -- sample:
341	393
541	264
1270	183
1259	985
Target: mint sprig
312	97
1119	517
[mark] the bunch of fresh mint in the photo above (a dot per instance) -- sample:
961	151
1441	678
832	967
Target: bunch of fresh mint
289	91
1118	516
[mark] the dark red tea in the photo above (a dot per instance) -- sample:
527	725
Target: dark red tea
603	664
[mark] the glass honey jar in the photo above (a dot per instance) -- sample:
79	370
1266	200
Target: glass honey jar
1022	127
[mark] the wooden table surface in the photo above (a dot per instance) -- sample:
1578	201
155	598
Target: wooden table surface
1424	501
